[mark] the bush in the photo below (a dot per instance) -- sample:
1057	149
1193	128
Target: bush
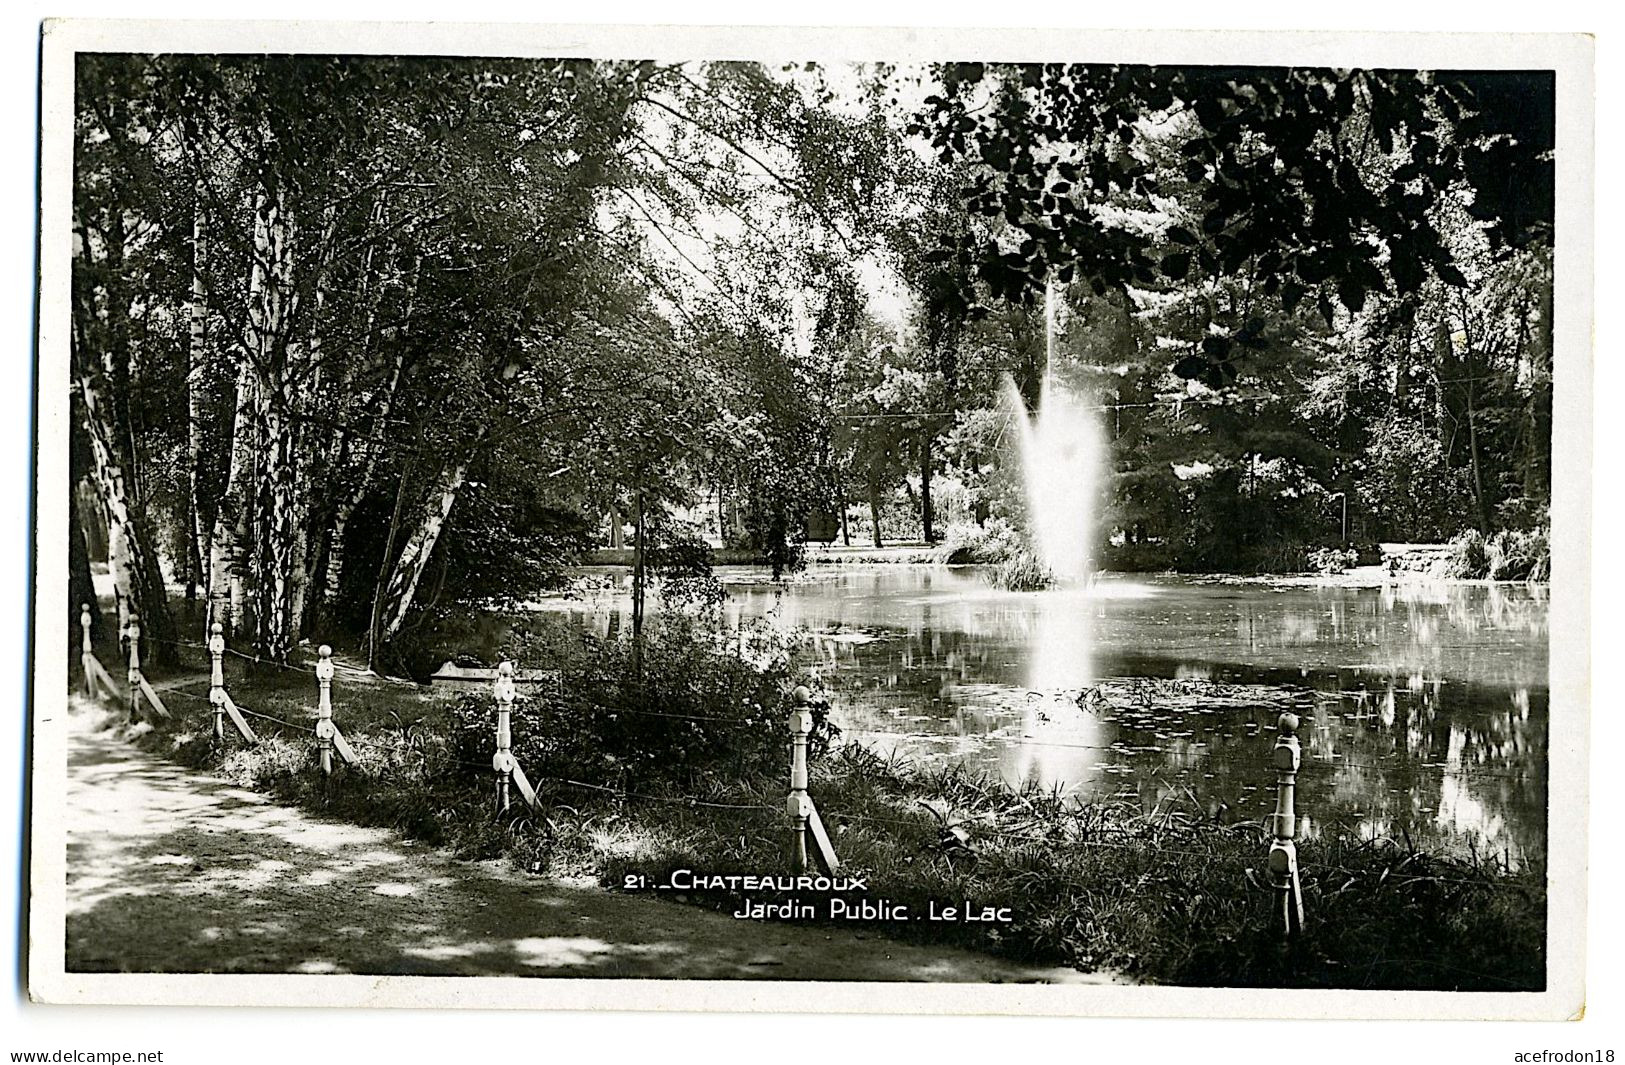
992	543
1329	560
1023	572
1520	555
1509	555
1171	898
1409	488
1468	558
664	715
1147	556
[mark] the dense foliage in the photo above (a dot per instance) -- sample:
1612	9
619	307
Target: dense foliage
357	337
683	712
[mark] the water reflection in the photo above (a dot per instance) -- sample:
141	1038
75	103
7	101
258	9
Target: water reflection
1424	704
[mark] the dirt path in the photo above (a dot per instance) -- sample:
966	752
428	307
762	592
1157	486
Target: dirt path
171	870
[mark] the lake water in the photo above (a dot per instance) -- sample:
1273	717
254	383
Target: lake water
1424	704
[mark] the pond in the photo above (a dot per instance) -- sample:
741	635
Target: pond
1424	703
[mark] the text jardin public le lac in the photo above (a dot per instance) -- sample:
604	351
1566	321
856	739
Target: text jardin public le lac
832	905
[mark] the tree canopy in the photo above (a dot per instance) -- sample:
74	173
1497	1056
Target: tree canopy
356	339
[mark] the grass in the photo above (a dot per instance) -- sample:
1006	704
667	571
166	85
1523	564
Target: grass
1170	897
1023	572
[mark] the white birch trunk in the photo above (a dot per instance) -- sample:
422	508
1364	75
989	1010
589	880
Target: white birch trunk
403	581
270	310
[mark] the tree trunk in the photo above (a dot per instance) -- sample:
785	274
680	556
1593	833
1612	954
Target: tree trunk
228	534
273	548
1537	472
639	587
926	516
722	517
1480	500
327	563
333	558
201	507
381	584
874	504
980	512
403	581
1402	372
102	362
275	493
136	574
81	585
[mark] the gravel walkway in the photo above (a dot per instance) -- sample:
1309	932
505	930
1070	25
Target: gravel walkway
171	870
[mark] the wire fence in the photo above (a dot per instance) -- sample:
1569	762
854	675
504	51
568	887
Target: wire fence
1330	760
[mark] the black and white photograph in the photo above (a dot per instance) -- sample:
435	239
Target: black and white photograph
1012	523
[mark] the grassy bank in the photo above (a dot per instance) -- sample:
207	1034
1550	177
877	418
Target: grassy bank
636	787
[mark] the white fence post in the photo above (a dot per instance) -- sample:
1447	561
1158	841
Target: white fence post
503	761
1283	850
324	710
799	803
217	679
132	632
86	655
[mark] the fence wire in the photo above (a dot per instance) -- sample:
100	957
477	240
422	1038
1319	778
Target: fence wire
843	818
1116	747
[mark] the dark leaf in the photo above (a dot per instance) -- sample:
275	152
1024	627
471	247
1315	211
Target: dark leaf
1450	275
1292	294
1352	294
1191	366
1176	266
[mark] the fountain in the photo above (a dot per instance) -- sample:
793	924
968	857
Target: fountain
1060	452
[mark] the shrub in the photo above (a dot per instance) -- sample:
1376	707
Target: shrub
1468	557
992	543
1023	572
1147	556
1409	488
667	713
1509	555
1520	555
1328	560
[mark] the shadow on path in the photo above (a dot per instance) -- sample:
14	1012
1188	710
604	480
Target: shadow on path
171	870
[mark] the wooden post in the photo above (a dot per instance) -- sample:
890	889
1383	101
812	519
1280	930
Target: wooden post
132	632
86	655
1283	850
217	679
503	760
324	710
799	803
